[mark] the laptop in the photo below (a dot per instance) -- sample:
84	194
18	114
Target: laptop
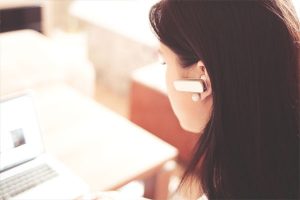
26	171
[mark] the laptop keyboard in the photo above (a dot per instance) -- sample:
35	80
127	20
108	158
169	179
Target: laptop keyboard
21	182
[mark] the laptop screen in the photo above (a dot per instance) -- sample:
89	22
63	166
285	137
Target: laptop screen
20	138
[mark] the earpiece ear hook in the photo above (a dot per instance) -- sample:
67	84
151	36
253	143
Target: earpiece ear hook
190	85
195	86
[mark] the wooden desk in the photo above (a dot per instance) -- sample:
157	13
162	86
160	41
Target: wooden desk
103	148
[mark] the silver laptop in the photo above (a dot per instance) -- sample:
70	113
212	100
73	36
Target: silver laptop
26	171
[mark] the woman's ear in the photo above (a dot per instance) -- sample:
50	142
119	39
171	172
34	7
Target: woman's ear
201	72
198	71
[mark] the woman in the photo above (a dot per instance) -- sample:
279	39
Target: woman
243	56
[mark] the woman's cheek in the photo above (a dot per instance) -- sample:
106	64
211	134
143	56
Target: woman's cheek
170	89
177	99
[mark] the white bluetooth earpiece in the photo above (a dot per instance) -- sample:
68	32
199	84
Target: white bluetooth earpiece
195	86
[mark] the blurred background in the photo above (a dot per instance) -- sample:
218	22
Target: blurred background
103	49
113	36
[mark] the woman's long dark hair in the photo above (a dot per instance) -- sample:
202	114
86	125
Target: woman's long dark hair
250	146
